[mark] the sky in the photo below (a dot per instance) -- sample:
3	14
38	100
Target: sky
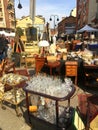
46	8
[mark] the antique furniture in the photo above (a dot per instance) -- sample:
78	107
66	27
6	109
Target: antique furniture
92	106
23	60
12	89
43	44
71	69
2	65
30	61
6	66
39	63
91	75
51	65
47	99
9	66
88	109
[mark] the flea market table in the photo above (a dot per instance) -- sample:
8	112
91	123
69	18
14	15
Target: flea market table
50	95
91	75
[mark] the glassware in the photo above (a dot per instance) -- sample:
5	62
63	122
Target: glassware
50	85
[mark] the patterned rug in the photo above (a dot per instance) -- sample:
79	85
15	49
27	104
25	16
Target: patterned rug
88	106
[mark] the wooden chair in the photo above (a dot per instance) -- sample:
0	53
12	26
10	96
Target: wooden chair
24	72
23	60
71	69
52	65
39	63
2	66
9	66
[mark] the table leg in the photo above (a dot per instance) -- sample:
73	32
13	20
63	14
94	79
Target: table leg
16	105
1	100
50	71
57	113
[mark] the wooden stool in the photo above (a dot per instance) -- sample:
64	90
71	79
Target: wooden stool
71	69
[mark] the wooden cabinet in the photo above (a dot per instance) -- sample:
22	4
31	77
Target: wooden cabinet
71	68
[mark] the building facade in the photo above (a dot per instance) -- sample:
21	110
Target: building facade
9	23
31	30
7	15
87	12
67	26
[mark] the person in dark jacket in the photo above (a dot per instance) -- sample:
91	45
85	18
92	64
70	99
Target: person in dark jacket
3	46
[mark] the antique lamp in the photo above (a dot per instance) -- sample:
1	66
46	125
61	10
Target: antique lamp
43	44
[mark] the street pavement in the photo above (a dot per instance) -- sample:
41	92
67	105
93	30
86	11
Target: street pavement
10	121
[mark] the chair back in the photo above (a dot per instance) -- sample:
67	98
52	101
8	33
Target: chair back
2	66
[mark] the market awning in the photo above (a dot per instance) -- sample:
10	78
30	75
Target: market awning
88	29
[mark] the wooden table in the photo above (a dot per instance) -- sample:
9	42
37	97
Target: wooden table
52	65
91	66
91	75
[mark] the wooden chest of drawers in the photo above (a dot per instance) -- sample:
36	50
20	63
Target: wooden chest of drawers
71	68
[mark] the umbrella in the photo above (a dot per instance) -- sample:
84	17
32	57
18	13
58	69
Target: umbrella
88	29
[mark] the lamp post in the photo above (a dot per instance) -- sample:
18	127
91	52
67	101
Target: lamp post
56	18
71	12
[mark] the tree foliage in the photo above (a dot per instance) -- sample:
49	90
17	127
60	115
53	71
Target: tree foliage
19	31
